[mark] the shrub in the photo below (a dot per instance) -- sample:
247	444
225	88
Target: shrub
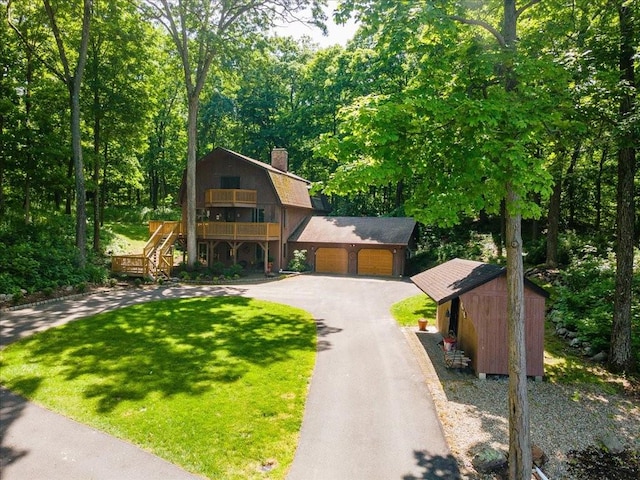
299	261
586	297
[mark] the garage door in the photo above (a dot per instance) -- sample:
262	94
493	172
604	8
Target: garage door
332	260
375	262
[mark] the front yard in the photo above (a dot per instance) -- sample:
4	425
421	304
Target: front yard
216	385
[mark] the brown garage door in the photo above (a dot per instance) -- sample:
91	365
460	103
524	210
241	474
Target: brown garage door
332	260
375	262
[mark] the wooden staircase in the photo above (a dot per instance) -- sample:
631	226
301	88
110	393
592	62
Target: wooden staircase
156	259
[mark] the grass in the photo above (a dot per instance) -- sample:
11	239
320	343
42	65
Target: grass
124	238
215	385
408	311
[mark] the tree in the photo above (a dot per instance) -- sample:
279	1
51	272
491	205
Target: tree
621	358
203	31
118	73
468	128
71	75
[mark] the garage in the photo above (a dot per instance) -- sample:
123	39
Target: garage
332	260
375	262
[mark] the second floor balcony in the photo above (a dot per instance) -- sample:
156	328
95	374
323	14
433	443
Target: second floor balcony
238	231
217	197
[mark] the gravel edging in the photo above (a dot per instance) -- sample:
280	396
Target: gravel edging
474	412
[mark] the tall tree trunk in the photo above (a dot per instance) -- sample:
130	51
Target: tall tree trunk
69	197
519	434
603	158
553	222
97	112
81	210
103	197
73	82
520	461
29	164
192	253
2	165
620	358
96	183
570	182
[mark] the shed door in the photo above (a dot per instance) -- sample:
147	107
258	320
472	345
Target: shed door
332	260
375	262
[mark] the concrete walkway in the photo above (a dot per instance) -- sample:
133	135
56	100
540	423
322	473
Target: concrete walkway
369	414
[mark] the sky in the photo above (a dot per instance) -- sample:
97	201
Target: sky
337	34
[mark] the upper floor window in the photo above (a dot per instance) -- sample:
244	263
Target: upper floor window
227	183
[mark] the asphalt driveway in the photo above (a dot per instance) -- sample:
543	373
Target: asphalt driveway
369	414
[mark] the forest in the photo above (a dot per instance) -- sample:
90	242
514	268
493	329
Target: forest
472	117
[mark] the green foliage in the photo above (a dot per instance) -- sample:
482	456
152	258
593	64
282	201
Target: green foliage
585	298
438	245
299	261
42	255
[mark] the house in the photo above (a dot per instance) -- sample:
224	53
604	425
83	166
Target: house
256	215
472	302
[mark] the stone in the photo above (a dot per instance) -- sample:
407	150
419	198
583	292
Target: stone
555	316
572	334
600	357
561	332
489	460
575	342
611	443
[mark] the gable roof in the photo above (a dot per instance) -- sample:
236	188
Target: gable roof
355	230
290	189
455	277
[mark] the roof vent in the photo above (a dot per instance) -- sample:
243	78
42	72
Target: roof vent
280	159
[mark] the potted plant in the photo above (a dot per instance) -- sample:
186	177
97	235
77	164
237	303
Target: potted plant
422	324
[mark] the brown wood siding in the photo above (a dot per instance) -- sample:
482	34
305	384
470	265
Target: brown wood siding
486	308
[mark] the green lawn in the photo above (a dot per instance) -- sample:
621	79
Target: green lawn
216	385
408	311
125	238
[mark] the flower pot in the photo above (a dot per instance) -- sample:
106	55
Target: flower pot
422	325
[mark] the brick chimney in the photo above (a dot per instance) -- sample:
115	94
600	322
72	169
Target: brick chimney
280	159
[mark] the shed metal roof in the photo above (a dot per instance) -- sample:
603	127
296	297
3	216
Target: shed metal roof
356	230
455	277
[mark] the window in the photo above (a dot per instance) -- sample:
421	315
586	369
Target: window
257	216
227	183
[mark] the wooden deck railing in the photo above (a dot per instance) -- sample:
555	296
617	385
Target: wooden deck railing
238	231
130	264
230	197
156	257
167	227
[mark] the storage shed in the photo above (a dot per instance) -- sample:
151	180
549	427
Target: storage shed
472	301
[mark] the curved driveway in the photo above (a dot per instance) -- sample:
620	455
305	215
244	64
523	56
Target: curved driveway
369	414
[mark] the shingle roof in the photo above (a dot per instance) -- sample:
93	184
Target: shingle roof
291	190
356	230
455	277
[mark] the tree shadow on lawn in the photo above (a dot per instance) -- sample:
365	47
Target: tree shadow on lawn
172	346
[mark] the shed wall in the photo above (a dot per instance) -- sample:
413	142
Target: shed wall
486	308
